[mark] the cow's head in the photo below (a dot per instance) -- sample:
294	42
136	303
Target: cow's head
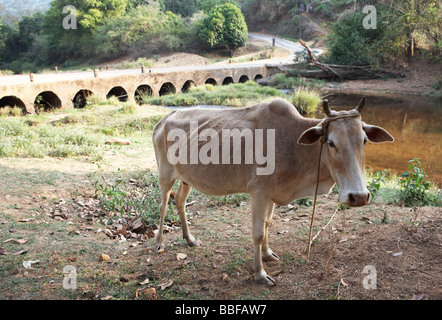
344	135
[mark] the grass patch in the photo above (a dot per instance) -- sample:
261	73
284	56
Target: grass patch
306	100
411	189
235	95
76	132
120	194
281	81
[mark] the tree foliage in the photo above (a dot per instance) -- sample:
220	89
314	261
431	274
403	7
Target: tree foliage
224	25
144	28
402	27
89	16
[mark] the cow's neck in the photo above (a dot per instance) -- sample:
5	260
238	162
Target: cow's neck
300	178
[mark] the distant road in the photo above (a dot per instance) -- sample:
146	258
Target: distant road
82	75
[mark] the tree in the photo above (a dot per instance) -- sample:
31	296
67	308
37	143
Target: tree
418	18
142	29
225	25
208	5
89	16
186	8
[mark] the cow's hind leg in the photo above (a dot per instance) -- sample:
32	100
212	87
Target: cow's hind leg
166	185
267	253
181	197
260	207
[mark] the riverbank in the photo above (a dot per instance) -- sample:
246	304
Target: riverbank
421	78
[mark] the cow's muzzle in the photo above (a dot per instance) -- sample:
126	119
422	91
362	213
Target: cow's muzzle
357	199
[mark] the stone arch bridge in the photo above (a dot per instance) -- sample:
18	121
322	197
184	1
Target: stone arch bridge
70	90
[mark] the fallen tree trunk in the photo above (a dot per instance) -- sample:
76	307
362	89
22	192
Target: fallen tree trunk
336	72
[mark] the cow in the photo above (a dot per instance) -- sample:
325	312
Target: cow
296	145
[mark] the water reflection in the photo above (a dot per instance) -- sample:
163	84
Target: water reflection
414	122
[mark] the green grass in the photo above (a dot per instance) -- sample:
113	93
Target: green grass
236	95
305	99
281	81
76	132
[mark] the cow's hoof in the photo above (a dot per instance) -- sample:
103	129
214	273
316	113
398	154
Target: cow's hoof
265	279
158	248
271	256
192	242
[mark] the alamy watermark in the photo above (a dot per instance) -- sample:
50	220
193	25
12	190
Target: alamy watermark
253	152
370	20
70	21
70	278
370	280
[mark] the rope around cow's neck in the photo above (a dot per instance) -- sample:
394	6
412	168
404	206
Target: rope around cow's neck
323	140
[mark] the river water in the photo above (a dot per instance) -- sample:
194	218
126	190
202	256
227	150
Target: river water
414	122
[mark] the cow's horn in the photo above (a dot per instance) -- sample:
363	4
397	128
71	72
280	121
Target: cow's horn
361	105
326	108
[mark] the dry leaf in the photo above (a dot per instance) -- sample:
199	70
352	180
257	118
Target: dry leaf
107	298
18	241
282	232
3	251
344	283
28	264
343	240
165	285
418	296
397	254
104	257
20	252
225	276
144	282
181	256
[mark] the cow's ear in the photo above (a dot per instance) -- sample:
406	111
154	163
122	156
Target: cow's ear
311	135
377	134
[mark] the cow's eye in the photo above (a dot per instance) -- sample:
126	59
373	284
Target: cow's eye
331	143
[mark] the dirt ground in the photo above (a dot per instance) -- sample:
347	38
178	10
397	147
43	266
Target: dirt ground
52	206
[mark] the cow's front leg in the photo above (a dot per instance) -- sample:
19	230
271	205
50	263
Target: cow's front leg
259	217
166	187
267	253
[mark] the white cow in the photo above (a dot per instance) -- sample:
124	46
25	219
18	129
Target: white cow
187	146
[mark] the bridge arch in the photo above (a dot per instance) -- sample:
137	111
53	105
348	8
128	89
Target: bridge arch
46	101
167	88
141	92
118	92
257	77
243	79
187	85
227	80
12	101
211	81
80	98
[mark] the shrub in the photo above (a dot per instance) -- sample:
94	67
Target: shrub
225	25
306	100
142	197
415	186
